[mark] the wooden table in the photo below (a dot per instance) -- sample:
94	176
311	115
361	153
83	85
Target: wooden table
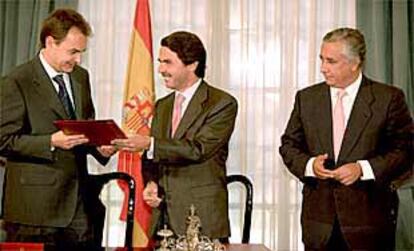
230	247
5	246
247	247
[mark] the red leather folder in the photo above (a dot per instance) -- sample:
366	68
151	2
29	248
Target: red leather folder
99	132
20	246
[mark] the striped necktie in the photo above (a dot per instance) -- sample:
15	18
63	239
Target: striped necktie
64	96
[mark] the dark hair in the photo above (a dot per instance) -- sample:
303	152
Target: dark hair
60	22
189	49
354	42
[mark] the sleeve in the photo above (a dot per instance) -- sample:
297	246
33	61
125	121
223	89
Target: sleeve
15	137
149	169
395	154
293	147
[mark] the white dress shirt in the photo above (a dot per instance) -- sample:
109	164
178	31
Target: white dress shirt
51	73
188	94
348	102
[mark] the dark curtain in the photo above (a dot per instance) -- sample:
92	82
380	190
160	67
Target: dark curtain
20	22
388	27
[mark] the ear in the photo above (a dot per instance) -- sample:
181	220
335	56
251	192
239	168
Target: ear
356	65
50	41
193	66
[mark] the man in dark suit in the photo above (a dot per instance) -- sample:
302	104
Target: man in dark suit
186	154
48	195
346	140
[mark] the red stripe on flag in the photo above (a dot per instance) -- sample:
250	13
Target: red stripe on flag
138	110
142	23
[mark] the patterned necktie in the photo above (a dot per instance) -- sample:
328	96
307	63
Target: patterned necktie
64	96
178	102
338	122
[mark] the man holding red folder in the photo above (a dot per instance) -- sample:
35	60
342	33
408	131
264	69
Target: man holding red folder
49	195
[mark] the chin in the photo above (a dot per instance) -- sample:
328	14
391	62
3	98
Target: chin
169	85
330	83
68	68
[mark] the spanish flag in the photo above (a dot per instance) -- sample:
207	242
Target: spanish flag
137	114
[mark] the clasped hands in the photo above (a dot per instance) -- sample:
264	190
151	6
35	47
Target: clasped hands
346	174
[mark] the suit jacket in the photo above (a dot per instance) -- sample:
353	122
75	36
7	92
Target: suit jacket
41	185
380	130
191	167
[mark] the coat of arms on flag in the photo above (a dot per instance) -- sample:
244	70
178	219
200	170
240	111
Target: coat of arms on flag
137	113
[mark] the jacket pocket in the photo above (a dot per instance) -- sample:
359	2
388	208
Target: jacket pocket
38	177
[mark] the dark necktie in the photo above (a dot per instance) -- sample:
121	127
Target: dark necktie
64	96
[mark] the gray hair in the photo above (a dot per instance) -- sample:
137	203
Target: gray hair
354	42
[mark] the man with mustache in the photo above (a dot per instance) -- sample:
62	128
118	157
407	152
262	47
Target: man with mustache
346	140
186	153
49	196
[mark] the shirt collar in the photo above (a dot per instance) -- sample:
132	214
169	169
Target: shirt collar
189	92
351	89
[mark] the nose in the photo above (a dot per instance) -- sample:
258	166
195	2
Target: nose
323	67
78	58
160	68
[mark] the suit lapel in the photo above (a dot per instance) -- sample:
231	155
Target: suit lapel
358	120
77	95
45	88
164	117
324	121
193	110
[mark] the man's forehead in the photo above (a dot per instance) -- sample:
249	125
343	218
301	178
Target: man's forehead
331	49
73	46
167	54
166	51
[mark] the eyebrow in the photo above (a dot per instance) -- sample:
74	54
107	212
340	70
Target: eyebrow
76	50
326	58
164	60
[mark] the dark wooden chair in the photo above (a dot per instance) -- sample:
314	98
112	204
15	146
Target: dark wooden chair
248	208
102	179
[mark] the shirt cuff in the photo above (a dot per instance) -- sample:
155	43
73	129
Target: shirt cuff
150	152
367	173
309	168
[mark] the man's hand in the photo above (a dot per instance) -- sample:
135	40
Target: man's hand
133	143
319	169
67	142
347	174
150	194
106	151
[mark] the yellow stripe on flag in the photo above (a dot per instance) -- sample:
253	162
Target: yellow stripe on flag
137	113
